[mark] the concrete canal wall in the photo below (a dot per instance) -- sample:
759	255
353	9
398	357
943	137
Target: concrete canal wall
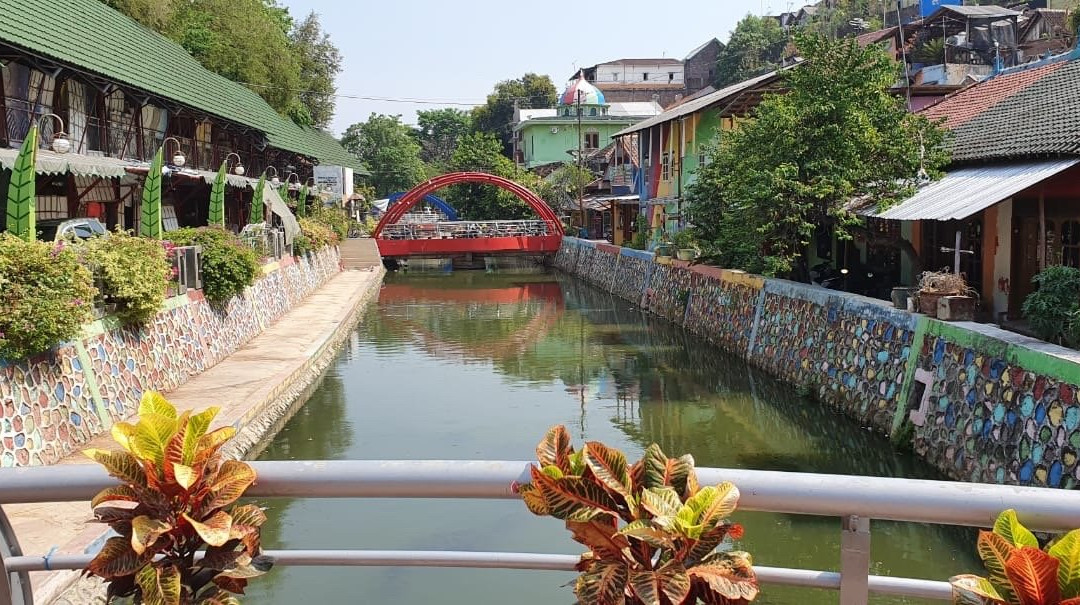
53	404
979	403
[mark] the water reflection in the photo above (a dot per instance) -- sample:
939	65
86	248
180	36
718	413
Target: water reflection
478	365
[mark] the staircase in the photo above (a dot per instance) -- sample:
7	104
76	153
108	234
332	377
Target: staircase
358	254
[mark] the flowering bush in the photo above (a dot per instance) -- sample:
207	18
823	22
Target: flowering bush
332	218
318	235
134	273
45	294
228	266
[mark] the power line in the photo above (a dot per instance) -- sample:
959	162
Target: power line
422	101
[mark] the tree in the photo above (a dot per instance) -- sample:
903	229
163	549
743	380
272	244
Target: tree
319	63
481	151
438	132
387	148
530	91
561	188
836	137
755	47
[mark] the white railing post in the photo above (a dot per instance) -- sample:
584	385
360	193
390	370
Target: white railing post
854	560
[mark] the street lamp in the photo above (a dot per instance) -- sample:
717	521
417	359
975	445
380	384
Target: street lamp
60	143
288	180
178	160
275	181
239	169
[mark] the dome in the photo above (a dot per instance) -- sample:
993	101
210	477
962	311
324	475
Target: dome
590	95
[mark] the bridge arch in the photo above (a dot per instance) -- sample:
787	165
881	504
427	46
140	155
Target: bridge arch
414	195
434	200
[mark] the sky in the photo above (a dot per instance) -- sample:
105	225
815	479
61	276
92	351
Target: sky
455	51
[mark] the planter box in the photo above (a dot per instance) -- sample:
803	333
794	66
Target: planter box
928	304
956	308
687	254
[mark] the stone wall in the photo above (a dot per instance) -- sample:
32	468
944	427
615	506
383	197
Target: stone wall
979	403
52	404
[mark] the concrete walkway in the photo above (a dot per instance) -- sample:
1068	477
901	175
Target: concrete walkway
244	386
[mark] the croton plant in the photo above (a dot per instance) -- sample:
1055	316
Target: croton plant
652	532
1021	573
172	505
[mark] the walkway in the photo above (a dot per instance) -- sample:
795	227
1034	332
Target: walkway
243	386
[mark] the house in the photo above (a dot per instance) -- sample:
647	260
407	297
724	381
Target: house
1009	194
664	80
611	201
671	146
583	119
1044	30
907	11
108	93
699	66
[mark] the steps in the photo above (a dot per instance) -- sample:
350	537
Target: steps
359	254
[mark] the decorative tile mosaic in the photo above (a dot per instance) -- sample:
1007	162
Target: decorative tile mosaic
630	280
48	407
668	292
723	312
597	267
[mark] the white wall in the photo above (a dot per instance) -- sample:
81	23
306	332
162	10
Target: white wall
658	73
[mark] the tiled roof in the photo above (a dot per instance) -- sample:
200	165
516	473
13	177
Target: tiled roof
95	39
1027	113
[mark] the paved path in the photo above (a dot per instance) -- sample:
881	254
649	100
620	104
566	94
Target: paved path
242	385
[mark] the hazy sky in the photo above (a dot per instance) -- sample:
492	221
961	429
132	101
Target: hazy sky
456	50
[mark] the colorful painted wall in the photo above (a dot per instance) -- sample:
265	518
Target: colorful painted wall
980	403
54	403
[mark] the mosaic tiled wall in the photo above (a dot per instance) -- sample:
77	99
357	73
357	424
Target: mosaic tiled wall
52	404
982	404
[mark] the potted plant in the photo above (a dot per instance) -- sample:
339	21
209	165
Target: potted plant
652	532
179	500
686	245
934	286
1021	573
665	247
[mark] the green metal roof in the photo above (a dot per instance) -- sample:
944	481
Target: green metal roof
91	37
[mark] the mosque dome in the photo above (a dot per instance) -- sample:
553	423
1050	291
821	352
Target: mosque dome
590	95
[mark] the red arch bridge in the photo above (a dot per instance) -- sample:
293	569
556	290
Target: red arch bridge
400	237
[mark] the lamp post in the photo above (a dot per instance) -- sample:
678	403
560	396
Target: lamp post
178	160
238	170
289	179
60	143
275	181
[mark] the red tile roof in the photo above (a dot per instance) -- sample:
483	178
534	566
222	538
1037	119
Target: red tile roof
964	105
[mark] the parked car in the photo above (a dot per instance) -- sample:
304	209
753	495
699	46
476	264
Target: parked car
55	230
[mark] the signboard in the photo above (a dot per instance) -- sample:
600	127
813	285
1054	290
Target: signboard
927	7
330	178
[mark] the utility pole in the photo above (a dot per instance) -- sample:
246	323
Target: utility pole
577	177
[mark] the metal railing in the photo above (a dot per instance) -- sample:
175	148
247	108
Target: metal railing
268	242
468	229
854	500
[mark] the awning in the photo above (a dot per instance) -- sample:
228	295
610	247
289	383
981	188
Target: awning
49	162
967	191
277	205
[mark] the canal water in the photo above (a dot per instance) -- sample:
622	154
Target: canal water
475	365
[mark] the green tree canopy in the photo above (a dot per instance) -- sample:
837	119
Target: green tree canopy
438	132
530	91
387	148
255	42
755	47
481	151
835	137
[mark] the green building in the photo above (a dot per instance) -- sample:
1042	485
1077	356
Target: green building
551	136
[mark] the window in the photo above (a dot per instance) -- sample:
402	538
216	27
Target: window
1070	243
702	157
670	76
614	77
592	140
645	76
566	111
592	112
665	167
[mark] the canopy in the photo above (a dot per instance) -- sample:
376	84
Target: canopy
967	191
275	204
49	162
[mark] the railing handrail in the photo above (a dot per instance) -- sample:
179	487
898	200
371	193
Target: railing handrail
882	498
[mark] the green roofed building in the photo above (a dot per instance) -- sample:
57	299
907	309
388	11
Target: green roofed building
119	91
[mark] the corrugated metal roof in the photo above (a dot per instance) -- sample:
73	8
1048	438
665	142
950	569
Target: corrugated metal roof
700	103
977	11
966	191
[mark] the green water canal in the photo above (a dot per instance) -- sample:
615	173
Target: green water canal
475	365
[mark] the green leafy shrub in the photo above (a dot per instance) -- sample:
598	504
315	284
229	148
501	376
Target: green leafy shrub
134	273
45	295
301	245
1054	307
333	218
228	266
369	225
318	234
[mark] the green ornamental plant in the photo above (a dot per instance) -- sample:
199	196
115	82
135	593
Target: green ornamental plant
1053	308
318	235
257	206
1021	573
21	195
301	202
333	218
45	293
150	214
652	532
216	215
134	273
180	500
228	266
